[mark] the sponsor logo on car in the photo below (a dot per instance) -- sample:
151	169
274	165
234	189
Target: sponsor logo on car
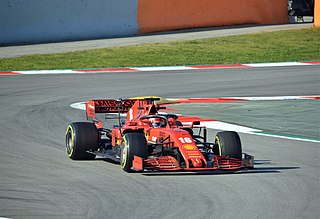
188	147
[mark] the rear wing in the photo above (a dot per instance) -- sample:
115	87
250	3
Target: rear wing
107	106
137	107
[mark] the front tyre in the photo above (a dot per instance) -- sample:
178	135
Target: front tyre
228	144
80	138
132	144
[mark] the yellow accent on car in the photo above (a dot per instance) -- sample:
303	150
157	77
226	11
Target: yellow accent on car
72	141
218	141
125	148
194	155
188	147
162	100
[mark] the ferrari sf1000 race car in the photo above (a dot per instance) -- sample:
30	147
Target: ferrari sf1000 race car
150	140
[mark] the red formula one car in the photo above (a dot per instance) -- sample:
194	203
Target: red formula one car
149	140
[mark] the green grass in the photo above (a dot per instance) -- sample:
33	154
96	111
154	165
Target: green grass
279	46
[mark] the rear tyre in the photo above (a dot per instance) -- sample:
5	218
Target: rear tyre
80	138
228	144
132	144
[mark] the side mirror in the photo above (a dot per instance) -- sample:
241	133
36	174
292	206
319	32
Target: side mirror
195	123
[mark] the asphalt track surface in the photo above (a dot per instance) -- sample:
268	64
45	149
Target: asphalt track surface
38	180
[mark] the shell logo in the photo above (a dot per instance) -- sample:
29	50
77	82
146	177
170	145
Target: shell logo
188	147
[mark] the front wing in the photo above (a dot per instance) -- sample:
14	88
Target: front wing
169	163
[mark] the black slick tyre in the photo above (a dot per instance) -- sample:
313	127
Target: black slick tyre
80	138
132	144
228	144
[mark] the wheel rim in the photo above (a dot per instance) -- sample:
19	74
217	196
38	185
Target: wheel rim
69	142
217	142
124	156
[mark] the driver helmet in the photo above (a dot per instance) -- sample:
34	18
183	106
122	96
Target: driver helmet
156	122
171	121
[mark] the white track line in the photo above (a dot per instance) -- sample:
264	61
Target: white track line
160	68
